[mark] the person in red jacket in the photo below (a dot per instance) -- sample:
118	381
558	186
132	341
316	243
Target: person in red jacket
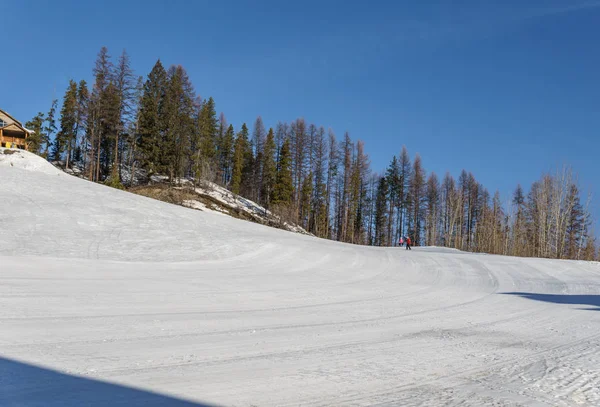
408	243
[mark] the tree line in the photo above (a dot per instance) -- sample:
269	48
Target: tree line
302	172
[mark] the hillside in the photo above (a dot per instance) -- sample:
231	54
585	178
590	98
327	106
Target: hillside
111	298
206	196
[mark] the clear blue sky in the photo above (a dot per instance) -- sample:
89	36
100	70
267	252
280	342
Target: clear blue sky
505	89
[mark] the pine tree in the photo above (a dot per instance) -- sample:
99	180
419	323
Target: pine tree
125	83
101	106
359	175
576	230
284	187
258	140
227	154
393	183
332	174
518	227
269	171
221	150
496	228
110	127
35	139
381	213
402	193
416	196
82	119
68	124
450	205
247	181
238	163
178	126
306	200
150	119
319	214
209	130
344	216
281	133
298	155
49	128
370	205
433	202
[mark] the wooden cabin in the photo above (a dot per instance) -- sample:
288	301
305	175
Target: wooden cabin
12	133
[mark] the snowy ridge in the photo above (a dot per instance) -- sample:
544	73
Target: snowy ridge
227	197
13	158
112	286
210	197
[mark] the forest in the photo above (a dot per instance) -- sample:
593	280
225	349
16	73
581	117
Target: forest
303	172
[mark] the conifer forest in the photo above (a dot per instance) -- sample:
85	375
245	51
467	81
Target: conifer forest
305	173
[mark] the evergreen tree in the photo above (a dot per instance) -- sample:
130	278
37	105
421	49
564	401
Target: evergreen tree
381	213
298	155
110	127
344	218
247	181
35	139
358	177
258	140
496	229
416	197
101	106
269	168
150	119
221	150
402	192
178	127
284	187
68	124
319	223
281	133
393	183
125	83
449	204
306	200
134	133
331	188
433	214
82	119
227	154
576	230
518	227
239	150
209	130
49	128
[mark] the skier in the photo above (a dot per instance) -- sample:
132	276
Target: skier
408	243
401	242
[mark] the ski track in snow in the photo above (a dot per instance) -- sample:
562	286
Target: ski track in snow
103	284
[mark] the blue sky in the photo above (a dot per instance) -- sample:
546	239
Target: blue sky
505	89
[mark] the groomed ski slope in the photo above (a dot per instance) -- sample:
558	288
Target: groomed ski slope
166	301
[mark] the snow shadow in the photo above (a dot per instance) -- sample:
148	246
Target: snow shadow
26	385
592	300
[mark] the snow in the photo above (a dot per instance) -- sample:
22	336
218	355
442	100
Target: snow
227	197
109	298
14	158
193	204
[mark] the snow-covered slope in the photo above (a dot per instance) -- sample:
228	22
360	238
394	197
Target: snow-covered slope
21	159
207	196
112	289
